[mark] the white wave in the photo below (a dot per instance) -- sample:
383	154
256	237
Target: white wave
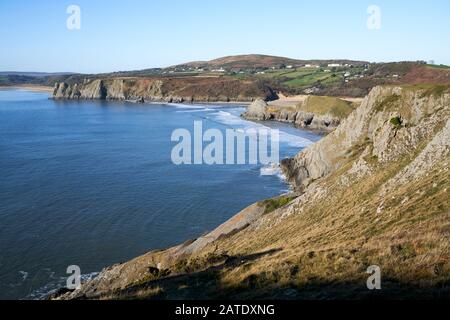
272	170
55	284
232	120
24	275
294	140
229	119
194	110
186	106
89	276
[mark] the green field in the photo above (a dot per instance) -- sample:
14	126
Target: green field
302	78
308	80
438	66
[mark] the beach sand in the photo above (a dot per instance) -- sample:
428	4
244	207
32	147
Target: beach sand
29	87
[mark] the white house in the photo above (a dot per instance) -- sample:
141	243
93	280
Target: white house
334	65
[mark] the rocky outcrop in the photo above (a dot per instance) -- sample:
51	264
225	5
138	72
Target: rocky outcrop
260	110
184	89
257	110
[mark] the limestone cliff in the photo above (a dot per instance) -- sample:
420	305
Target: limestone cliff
390	122
373	192
315	112
183	89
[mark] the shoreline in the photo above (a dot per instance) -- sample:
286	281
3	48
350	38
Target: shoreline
36	88
144	102
225	103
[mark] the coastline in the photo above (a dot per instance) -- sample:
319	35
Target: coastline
156	101
230	103
36	88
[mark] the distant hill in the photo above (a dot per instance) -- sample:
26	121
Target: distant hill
259	61
34	74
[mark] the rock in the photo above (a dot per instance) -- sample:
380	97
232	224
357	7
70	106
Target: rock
380	208
58	293
60	90
257	110
177	90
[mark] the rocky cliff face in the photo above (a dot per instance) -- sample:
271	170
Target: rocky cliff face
260	110
391	122
185	89
373	192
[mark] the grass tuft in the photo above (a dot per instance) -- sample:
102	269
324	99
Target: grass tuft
276	203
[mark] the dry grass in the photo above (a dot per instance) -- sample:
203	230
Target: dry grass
324	250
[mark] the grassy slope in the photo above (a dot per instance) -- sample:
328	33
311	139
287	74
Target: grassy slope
319	105
438	66
324	251
302	78
327	105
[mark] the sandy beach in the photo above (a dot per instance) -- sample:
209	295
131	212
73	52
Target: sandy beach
29	87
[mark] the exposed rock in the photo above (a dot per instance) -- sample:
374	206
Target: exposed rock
436	151
176	90
257	110
369	125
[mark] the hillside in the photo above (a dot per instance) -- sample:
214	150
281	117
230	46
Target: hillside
352	80
259	61
373	192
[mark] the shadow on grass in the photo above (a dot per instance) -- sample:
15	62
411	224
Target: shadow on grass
207	284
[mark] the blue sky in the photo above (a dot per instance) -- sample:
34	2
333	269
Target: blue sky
133	34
